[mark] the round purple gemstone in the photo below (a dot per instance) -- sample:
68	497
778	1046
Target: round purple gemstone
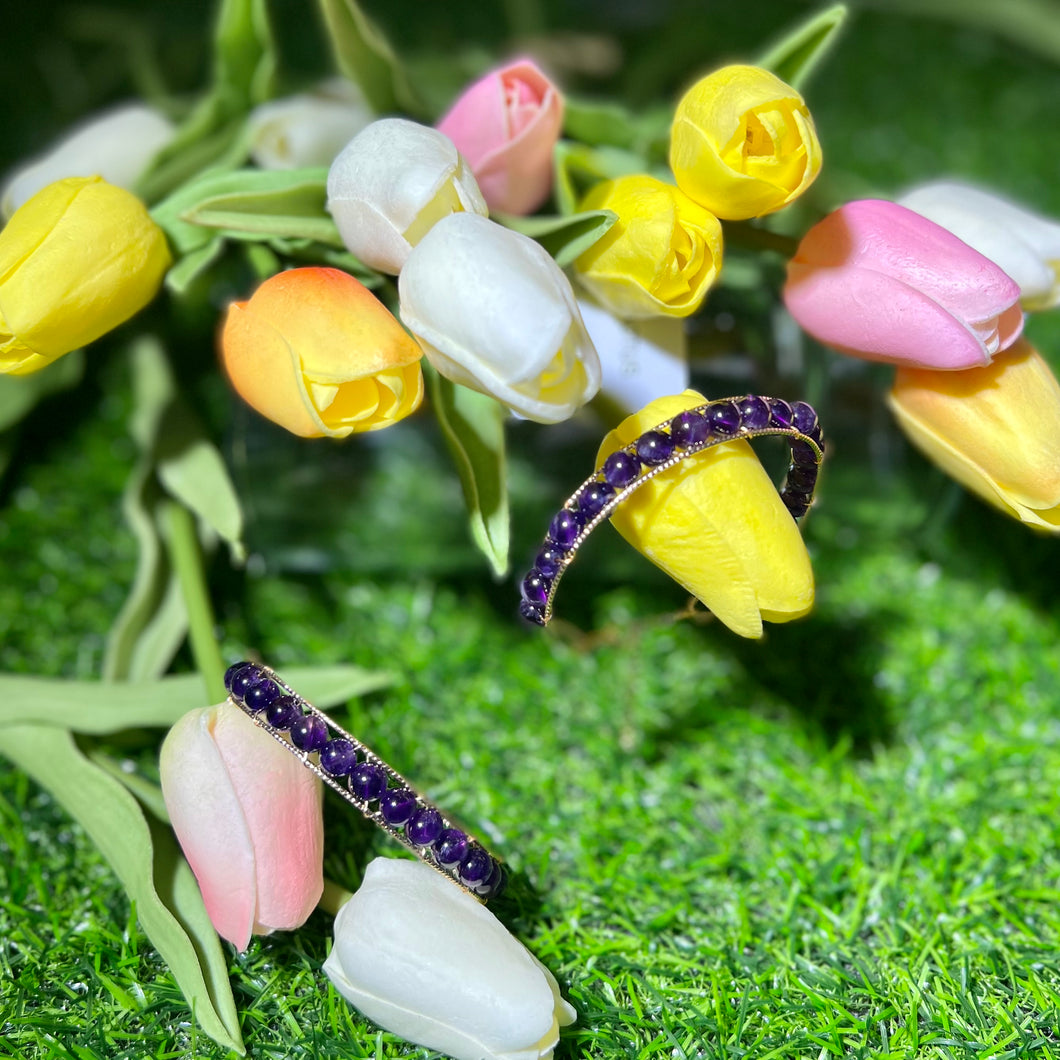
796	503
450	846
549	560
338	756
397	805
724	417
654	447
531	612
803	417
234	670
367	781
282	713
803	455
754	412
595	497
260	694
780	412
242	679
564	528
494	883
621	468
535	587
309	733
475	867
689	428
802	479
424	826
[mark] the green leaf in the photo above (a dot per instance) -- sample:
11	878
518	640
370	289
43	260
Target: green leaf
244	54
365	56
579	166
19	394
98	707
149	795
605	123
194	263
565	238
797	54
174	920
473	427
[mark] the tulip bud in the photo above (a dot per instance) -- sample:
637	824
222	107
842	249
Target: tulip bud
876	280
421	958
248	816
506	125
495	313
117	145
716	524
1022	244
743	143
76	260
391	183
308	129
996	430
316	352
659	258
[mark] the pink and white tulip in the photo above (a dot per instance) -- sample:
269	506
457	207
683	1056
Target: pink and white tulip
248	817
506	125
878	281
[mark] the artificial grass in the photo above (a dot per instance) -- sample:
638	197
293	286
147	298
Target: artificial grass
839	842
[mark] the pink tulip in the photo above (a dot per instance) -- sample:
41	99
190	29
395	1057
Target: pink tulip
878	281
506	125
248	816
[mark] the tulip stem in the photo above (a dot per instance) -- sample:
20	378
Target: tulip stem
182	541
334	897
743	234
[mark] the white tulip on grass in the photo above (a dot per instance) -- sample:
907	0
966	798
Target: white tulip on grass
421	958
117	145
1023	244
391	183
307	129
495	313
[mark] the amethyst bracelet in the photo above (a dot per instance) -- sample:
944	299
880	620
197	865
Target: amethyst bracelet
658	450
363	779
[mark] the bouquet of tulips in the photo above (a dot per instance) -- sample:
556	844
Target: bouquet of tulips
521	255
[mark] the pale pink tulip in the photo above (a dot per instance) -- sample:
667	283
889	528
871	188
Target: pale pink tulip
878	281
506	125
248	816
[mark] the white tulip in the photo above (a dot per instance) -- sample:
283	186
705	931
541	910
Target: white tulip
640	360
421	958
494	312
391	183
116	145
1022	244
308	129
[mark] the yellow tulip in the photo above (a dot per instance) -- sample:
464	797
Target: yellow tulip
743	143
995	429
660	257
76	260
716	524
316	352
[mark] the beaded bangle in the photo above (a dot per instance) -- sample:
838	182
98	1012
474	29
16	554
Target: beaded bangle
627	469
363	779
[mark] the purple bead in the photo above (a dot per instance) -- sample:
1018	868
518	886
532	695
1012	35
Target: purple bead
620	469
754	412
494	883
367	781
243	678
595	497
531	612
282	713
780	412
803	417
475	867
309	733
397	805
654	447
424	826
450	847
233	670
338	757
724	417
802	479
564	528
549	560
797	504
260	694
803	455
535	587
689	428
